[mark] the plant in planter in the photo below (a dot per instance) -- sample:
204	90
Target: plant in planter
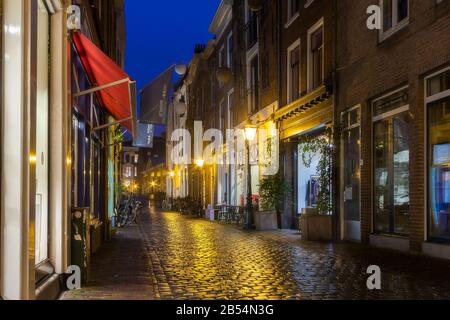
317	226
273	191
320	145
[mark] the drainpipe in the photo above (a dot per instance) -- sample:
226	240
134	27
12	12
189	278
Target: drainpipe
336	129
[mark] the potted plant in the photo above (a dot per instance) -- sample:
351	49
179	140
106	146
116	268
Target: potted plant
316	222
273	191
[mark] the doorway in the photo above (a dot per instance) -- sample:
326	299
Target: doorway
351	174
391	154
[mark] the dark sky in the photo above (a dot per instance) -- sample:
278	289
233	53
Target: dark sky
163	32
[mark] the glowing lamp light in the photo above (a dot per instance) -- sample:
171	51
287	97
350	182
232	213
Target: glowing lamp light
200	163
250	133
172	174
33	159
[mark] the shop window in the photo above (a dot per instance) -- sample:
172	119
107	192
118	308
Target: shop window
308	166
391	165
438	110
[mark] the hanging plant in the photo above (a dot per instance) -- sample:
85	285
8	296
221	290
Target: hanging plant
320	145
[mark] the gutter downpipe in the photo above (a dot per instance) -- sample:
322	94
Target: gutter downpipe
336	129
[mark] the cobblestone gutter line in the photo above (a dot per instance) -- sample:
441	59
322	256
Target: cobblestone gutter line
159	281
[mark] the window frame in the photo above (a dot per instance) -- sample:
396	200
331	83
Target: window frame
375	119
319	24
230	53
291	16
429	100
396	25
294	46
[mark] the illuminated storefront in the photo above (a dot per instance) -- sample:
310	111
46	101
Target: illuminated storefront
35	245
438	150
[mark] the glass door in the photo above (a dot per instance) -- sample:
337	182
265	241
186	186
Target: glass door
42	137
391	174
351	148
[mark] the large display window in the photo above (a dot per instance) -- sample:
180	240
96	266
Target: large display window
391	135
438	115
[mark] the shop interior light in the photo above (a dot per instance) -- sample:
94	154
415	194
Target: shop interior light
250	133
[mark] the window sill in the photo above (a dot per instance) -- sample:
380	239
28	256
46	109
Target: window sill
391	242
292	20
388	34
436	250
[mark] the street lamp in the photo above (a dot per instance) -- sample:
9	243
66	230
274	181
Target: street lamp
172	176
200	163
250	133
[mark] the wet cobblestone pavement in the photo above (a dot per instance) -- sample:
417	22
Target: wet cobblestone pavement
169	256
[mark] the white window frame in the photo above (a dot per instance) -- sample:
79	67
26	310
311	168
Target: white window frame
319	24
308	3
292	47
291	16
346	129
429	100
390	113
440	95
396	25
376	119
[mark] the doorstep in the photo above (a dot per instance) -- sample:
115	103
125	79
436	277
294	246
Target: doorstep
390	242
436	250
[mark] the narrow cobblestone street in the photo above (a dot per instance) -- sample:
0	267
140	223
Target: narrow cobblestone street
169	256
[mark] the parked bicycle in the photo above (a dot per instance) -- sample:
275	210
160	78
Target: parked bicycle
127	213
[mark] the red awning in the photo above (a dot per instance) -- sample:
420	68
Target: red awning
114	88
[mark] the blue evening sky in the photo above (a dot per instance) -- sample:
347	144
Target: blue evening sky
161	33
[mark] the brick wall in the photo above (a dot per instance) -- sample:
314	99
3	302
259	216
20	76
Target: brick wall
367	68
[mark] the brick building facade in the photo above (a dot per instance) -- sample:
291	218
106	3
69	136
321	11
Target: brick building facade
373	67
377	98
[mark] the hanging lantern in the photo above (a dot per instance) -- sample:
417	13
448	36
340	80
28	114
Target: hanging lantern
224	74
181	69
